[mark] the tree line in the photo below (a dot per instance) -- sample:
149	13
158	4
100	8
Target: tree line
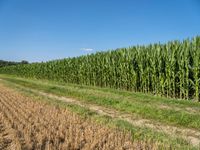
4	63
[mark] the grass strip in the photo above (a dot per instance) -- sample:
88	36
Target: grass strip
172	117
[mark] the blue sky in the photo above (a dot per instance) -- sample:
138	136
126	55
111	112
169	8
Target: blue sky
41	30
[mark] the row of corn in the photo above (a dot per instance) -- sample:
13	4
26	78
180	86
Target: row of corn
170	69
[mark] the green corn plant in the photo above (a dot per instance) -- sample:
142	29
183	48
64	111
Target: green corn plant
170	69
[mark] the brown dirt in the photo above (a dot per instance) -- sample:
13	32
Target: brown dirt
26	124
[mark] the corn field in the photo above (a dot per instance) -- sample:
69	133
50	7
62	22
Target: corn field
170	69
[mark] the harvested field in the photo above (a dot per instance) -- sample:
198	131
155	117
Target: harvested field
27	124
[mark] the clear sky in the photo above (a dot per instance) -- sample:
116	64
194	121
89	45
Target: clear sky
41	30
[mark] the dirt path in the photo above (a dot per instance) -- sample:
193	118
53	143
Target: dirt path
189	110
190	135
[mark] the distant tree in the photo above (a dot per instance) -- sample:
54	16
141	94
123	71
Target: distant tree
24	62
10	63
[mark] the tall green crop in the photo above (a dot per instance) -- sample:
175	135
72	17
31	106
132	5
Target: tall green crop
171	69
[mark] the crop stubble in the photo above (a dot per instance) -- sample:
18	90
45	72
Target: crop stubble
27	124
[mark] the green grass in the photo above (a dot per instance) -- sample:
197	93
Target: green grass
145	106
138	133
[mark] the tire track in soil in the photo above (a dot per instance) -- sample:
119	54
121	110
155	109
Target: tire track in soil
188	110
